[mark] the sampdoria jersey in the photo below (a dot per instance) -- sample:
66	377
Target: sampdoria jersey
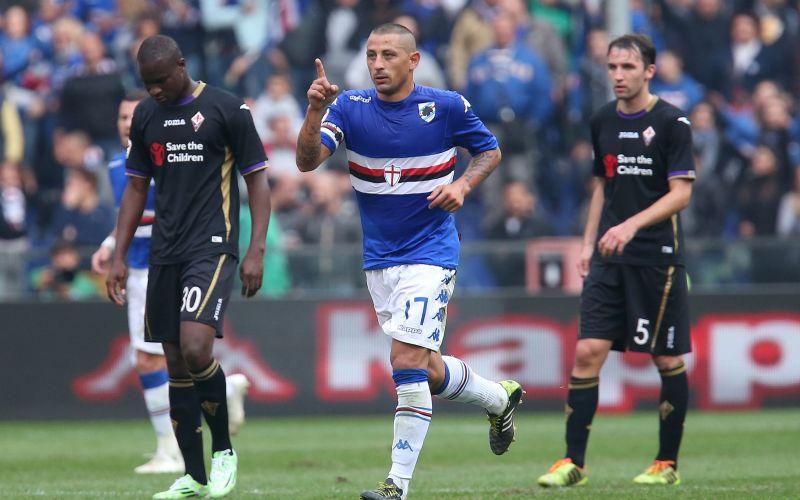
398	152
190	149
638	155
139	251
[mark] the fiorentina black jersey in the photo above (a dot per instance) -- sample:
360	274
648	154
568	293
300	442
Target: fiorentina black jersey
190	149
637	155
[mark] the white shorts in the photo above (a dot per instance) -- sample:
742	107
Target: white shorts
411	302
136	292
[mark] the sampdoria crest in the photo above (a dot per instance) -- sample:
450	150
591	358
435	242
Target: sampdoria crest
427	111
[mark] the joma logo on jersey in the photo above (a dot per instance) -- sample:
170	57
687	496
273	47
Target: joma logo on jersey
174	123
628	135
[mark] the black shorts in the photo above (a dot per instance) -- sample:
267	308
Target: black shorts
641	308
197	290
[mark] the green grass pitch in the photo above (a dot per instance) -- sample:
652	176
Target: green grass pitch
725	455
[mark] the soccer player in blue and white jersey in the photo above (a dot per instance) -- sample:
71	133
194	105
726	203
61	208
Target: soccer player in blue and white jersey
401	141
148	357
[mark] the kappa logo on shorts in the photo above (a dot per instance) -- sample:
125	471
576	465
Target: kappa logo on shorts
671	337
439	316
409	329
435	335
157	153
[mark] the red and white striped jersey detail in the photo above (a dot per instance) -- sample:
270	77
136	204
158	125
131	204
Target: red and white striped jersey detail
419	174
145	228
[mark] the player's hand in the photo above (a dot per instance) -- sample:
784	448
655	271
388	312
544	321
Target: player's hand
100	260
615	239
115	282
321	92
449	197
585	260
251	272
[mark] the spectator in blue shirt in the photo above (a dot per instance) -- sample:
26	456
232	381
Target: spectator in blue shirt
509	81
510	89
19	48
673	85
81	219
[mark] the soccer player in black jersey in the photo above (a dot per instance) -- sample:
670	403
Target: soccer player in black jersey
189	137
635	291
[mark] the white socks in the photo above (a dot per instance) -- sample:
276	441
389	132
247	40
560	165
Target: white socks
411	420
465	386
156	398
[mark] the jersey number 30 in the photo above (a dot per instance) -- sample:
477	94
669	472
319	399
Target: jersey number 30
191	299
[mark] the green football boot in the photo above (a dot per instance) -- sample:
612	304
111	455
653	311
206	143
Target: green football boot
385	490
184	487
501	427
563	473
661	472
223	473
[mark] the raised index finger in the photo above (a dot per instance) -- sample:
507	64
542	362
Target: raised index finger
320	68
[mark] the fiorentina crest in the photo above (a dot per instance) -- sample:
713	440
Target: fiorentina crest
427	111
392	174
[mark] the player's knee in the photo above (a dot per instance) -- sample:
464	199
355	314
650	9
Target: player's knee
588	356
409	358
149	363
435	375
196	355
667	362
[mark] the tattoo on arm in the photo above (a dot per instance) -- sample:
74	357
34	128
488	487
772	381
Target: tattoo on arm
308	144
480	166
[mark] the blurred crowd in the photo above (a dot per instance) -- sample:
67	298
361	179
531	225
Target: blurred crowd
534	71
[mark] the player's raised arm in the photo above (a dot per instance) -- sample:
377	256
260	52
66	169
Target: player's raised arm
321	93
130	212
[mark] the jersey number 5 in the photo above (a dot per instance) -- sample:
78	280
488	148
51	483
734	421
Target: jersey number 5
641	332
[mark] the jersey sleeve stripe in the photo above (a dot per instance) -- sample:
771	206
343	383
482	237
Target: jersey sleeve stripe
685	174
254	168
136	173
333	132
225	187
